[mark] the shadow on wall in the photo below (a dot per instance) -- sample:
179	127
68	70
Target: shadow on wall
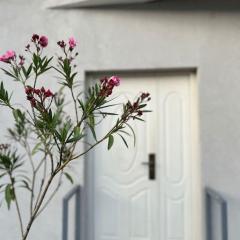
222	216
171	5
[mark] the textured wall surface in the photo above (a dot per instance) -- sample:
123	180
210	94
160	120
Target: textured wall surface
151	38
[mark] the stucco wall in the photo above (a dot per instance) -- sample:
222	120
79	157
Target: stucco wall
122	39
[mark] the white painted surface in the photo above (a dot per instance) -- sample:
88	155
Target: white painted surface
126	204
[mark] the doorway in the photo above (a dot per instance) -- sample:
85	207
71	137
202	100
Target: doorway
126	202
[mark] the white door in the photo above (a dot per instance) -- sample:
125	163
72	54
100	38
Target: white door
123	202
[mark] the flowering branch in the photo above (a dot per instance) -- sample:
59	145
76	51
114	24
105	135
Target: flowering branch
47	133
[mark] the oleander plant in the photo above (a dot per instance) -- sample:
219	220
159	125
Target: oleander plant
42	143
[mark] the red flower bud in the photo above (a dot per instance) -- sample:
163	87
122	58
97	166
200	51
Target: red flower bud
48	93
37	91
43	90
35	37
33	102
28	90
61	44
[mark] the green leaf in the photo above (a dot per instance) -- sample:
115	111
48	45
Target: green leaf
138	119
4	97
3	174
110	141
36	148
91	120
58	135
108	113
68	176
29	70
142	106
81	105
76	136
18	115
7	73
125	132
75	139
9	195
134	135
26	185
125	142
93	132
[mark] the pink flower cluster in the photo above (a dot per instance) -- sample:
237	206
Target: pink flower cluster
42	95
8	56
40	40
107	85
72	43
134	110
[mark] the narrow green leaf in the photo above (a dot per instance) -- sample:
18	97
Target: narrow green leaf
93	132
75	139
68	176
36	148
134	135
138	119
9	195
110	141
108	113
8	73
125	142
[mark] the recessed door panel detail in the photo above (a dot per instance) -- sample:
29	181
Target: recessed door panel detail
175	143
173	110
109	212
174	217
140	217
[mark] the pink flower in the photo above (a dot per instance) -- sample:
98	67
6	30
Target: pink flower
72	43
43	41
8	56
114	80
107	85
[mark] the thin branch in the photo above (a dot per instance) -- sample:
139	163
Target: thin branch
35	212
75	103
17	206
44	160
52	195
28	150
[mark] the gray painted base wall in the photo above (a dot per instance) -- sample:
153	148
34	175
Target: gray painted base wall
122	39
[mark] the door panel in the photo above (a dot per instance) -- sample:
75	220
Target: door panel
175	144
122	181
125	204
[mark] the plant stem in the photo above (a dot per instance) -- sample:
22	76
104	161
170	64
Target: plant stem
94	145
75	103
35	212
28	150
19	213
51	197
17	206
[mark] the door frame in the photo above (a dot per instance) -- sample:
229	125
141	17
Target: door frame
197	186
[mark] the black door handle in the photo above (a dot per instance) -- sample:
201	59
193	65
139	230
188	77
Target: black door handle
151	166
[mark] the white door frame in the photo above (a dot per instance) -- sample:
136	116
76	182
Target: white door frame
197	189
